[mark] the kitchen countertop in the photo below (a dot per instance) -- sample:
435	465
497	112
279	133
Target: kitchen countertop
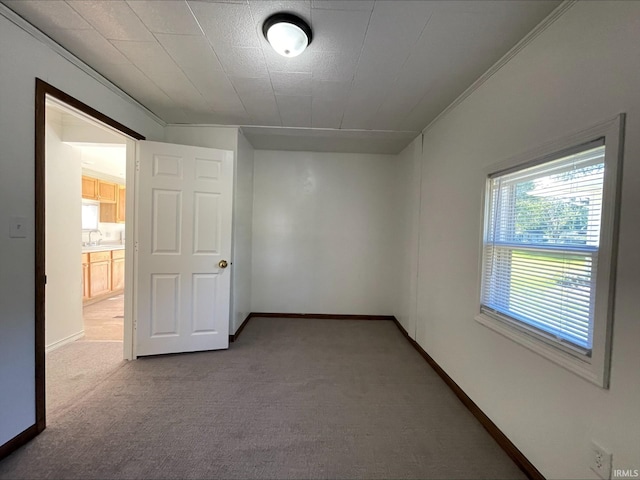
101	248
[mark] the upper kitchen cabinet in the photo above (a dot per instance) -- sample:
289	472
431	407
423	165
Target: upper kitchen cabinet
114	213
107	192
89	188
121	204
95	189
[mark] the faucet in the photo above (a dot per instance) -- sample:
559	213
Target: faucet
98	242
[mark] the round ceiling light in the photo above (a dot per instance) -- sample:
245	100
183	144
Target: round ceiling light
288	34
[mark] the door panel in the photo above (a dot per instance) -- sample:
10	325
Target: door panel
184	231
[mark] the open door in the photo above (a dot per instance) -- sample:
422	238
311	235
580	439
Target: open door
183	248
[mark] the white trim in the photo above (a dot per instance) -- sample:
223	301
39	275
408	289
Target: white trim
60	343
130	185
598	368
130	255
571	363
417	217
603	129
526	40
71	58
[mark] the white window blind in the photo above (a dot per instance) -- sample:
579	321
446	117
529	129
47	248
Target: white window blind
541	241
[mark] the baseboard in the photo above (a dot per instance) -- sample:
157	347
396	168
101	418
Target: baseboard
234	337
17	441
64	341
322	316
503	441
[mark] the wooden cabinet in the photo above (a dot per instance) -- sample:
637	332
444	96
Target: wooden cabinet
107	213
102	274
121	204
114	212
117	270
99	273
89	188
95	189
107	192
85	277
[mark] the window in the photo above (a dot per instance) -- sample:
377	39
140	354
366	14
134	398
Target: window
548	253
90	215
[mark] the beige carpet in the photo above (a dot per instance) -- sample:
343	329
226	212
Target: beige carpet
77	368
290	399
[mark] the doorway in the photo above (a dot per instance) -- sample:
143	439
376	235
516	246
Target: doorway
181	212
85	253
89	130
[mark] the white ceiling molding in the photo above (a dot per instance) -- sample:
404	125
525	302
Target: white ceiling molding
71	58
526	40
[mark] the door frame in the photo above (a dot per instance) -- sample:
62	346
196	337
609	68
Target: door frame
43	89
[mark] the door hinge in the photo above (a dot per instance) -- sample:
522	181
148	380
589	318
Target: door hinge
135	246
137	165
45	279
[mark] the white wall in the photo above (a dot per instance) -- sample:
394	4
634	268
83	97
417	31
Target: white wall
323	236
225	138
583	69
63	320
242	234
23	58
407	218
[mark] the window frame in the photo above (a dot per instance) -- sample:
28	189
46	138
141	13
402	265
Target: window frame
594	367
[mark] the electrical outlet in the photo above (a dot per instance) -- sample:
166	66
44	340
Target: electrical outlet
600	461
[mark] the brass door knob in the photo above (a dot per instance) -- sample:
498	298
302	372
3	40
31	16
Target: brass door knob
222	264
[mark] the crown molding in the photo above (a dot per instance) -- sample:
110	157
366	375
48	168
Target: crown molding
526	40
71	58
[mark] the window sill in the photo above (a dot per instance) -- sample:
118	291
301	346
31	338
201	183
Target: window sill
579	366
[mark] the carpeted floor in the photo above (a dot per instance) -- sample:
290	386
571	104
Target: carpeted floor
75	369
104	320
291	399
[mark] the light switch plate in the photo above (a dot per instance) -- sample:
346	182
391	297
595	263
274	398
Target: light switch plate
18	227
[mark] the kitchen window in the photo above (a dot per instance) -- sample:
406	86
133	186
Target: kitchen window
549	250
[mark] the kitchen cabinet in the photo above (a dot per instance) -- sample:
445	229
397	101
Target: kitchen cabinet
117	270
107	192
114	212
85	277
121	204
99	273
102	274
103	191
89	188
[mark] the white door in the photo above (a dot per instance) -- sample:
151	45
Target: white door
184	243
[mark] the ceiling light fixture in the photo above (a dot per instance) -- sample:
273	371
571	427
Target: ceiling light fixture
288	34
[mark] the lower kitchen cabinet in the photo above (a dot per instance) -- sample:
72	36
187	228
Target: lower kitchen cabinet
99	273
117	270
102	274
85	277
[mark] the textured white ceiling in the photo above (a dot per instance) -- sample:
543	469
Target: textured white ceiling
373	65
